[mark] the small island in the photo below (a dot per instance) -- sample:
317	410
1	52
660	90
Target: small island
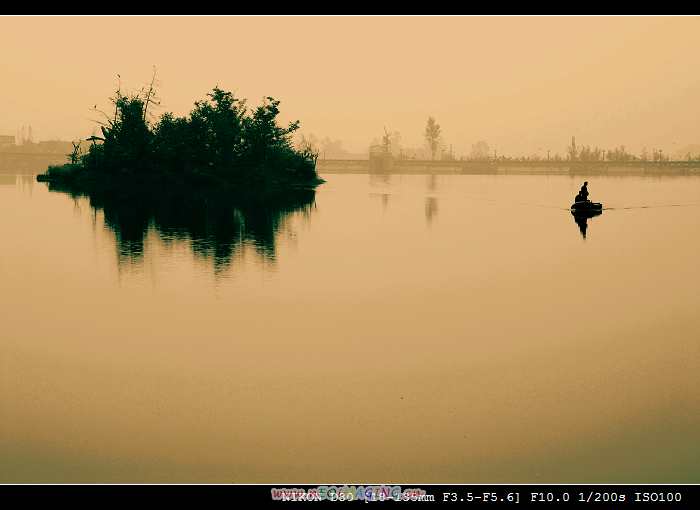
221	145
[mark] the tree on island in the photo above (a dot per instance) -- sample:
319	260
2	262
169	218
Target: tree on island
221	142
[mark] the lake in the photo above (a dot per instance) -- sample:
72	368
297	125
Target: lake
391	328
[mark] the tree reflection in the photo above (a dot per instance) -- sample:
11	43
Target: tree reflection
217	225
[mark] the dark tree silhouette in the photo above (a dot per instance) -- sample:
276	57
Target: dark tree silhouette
220	143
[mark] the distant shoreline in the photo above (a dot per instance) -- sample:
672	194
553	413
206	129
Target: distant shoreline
632	168
513	162
36	163
28	163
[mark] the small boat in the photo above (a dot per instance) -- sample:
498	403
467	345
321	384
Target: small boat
586	207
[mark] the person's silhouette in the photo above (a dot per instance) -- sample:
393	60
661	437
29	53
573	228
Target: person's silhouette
583	193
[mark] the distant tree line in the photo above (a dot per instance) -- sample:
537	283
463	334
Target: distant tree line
435	148
617	154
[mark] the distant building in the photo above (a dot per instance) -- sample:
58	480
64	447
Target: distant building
7	140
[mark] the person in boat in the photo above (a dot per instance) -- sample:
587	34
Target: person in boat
583	193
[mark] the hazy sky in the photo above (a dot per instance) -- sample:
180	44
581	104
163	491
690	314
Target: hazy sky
520	83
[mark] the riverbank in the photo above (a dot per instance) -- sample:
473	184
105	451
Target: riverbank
418	167
76	179
28	164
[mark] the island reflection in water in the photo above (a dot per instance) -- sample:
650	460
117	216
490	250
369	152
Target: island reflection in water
217	225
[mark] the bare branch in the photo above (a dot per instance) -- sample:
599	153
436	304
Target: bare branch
150	93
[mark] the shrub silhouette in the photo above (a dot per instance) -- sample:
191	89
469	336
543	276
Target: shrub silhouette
221	142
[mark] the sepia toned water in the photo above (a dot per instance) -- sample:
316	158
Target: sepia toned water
444	328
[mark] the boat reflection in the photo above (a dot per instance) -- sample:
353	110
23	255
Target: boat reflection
581	218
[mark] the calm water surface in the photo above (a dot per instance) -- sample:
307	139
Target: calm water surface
393	328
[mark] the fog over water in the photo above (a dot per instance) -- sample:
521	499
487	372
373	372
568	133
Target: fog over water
525	85
403	328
